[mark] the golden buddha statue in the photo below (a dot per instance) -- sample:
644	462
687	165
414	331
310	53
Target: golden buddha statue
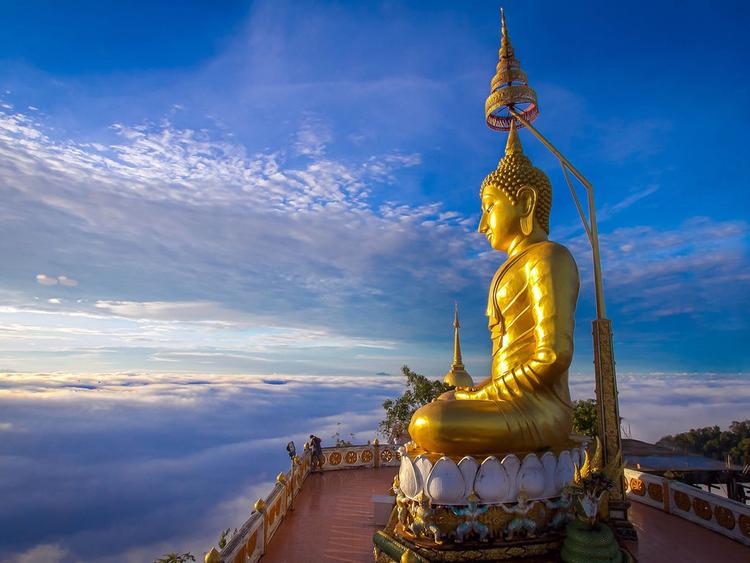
525	403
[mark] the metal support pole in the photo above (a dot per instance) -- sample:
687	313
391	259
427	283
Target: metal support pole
608	409
601	311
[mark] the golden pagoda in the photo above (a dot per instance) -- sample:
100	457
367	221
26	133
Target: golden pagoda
457	376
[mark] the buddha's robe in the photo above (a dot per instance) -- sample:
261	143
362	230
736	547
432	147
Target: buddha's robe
525	404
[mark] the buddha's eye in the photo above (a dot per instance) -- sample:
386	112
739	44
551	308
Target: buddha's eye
489	207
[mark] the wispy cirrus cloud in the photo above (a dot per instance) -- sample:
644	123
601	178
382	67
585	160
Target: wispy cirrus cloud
164	335
698	267
299	247
254	235
607	211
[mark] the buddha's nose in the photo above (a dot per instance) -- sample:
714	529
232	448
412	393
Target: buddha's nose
482	224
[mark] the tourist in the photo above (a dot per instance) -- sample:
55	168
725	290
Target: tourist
316	461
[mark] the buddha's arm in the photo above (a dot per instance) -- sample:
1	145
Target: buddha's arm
553	291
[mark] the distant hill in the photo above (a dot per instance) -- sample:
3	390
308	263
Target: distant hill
714	442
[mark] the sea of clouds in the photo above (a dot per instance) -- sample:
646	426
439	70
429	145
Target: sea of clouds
126	467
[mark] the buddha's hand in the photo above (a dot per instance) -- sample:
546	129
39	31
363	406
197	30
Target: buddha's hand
475	392
447	396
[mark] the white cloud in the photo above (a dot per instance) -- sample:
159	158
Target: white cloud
185	334
312	137
66	281
231	239
607	211
46	280
43	553
54	301
215	445
195	311
188	211
655	405
699	267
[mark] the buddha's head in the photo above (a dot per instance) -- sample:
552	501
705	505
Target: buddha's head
516	199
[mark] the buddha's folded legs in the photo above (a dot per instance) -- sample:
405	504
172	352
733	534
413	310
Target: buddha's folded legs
476	427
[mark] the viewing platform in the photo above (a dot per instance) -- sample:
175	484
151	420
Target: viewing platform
332	518
331	515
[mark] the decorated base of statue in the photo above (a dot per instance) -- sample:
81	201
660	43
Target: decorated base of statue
496	507
390	547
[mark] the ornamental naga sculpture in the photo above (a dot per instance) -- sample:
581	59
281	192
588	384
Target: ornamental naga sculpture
525	403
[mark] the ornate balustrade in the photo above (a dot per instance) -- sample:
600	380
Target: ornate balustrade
370	455
719	514
722	515
250	541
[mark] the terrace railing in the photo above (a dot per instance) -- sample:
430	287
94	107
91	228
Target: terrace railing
722	515
249	543
726	516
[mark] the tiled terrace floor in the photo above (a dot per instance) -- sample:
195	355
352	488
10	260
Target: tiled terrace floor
332	518
333	521
663	537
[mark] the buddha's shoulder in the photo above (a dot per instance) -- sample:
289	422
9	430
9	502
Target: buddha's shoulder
553	252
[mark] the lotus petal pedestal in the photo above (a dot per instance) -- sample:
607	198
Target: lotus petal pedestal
500	507
494	480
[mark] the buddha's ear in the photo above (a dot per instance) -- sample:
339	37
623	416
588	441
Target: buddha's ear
527	202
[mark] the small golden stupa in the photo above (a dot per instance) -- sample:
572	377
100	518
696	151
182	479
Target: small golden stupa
457	375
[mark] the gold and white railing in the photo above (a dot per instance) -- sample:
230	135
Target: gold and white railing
249	543
370	455
719	514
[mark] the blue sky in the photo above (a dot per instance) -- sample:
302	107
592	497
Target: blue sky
292	188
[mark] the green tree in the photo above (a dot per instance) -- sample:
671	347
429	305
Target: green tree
585	421
176	558
713	442
398	412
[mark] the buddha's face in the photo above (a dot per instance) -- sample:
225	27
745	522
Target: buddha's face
500	219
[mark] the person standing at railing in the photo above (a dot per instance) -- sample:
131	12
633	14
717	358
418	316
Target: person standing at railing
316	459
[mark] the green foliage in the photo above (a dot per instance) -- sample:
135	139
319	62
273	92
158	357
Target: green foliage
713	442
585	421
398	412
176	558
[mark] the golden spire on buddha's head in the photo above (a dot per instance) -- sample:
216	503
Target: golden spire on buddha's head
513	144
516	171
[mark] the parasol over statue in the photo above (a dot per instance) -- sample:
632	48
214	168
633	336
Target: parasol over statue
509	88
